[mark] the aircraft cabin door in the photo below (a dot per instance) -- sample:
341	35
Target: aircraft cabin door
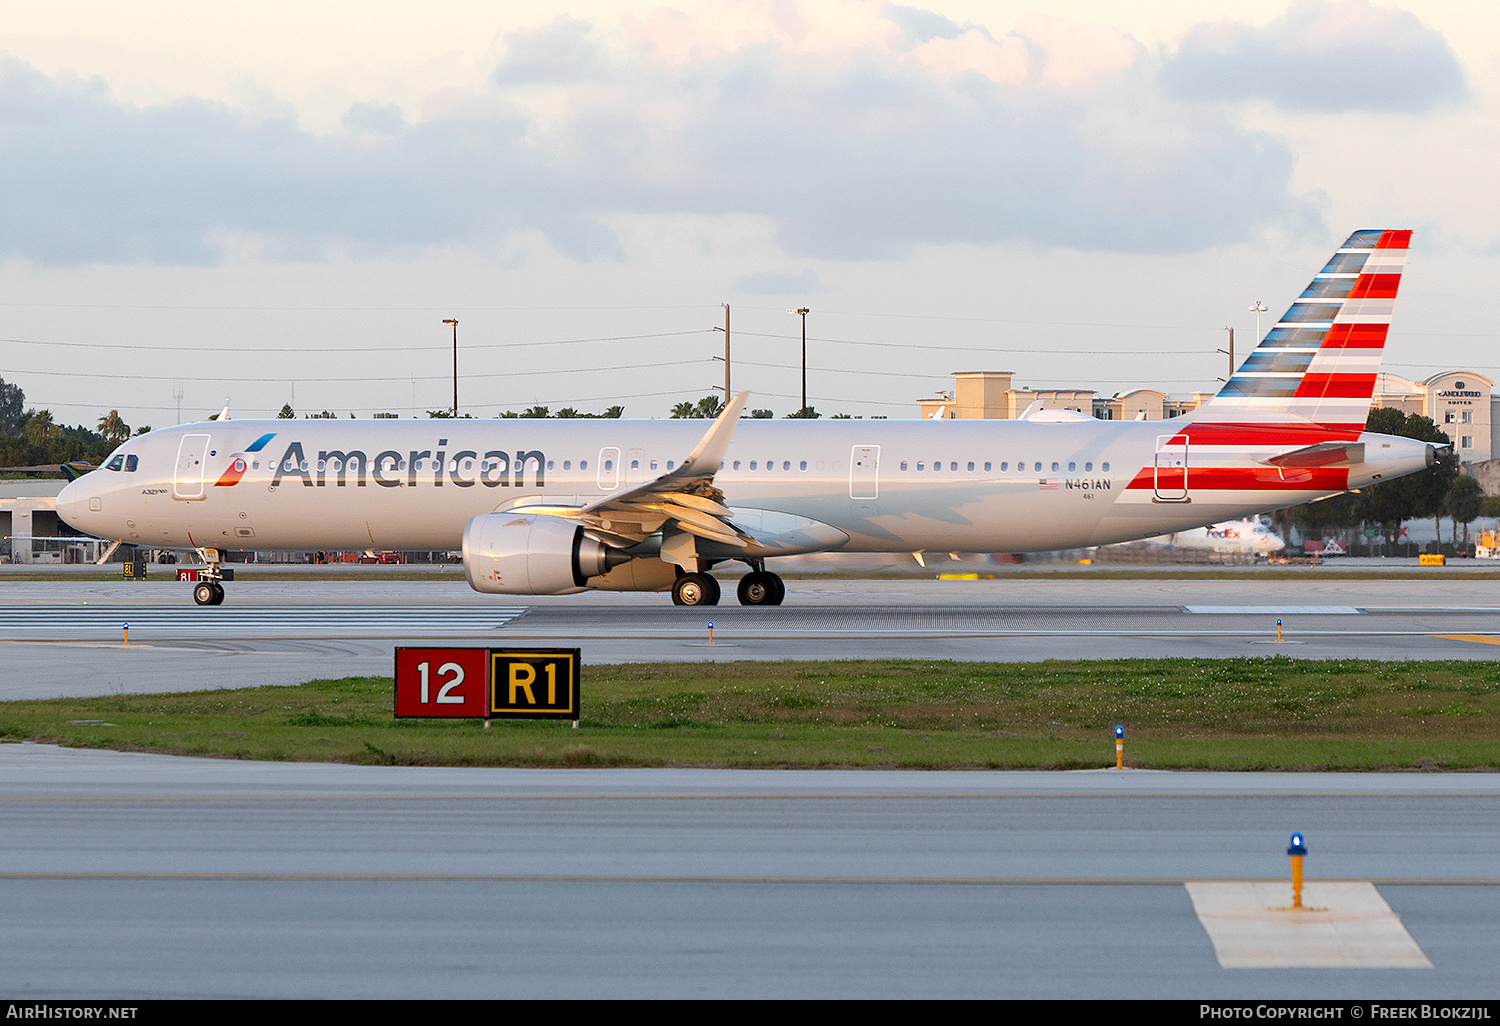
192	453
1170	475
635	467
864	472
608	474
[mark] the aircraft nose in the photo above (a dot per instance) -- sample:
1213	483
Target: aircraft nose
66	500
71	505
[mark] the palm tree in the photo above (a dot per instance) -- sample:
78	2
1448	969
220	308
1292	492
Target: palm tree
113	428
39	427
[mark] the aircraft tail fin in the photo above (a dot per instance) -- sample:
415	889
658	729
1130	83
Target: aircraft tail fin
1319	362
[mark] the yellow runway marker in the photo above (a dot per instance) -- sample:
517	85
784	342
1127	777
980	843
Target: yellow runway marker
1482	639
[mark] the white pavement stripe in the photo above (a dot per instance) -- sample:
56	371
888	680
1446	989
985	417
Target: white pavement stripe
1342	925
350	618
1275	610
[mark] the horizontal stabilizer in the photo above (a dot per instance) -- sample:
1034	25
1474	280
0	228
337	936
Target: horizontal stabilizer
1324	454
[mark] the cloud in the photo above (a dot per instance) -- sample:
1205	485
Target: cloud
893	135
919	26
560	53
88	179
1322	55
767	283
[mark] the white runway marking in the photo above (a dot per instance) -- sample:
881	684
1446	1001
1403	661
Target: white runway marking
1343	925
397	620
1276	610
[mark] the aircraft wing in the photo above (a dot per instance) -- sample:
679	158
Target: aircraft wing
685	497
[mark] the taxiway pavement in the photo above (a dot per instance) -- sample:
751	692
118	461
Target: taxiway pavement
67	638
128	875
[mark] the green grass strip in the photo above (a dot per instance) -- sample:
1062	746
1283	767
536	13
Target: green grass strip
1270	713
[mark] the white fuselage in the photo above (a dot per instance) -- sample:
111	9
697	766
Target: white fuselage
852	485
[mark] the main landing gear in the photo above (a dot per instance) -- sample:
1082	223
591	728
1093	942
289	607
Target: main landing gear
757	588
761	588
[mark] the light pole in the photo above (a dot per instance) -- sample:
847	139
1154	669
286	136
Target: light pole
1258	309
803	312
726	353
454	321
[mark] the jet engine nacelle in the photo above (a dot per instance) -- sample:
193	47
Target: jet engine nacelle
511	554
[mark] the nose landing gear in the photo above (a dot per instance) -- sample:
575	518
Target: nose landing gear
209	591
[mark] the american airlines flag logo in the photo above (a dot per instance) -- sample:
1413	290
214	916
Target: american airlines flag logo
1047	484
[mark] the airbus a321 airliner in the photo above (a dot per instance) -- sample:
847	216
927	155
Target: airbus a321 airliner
548	507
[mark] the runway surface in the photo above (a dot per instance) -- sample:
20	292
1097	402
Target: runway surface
68	638
126	875
130	875
140	876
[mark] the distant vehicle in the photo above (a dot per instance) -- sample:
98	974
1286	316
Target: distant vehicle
1327	547
1251	537
551	507
384	557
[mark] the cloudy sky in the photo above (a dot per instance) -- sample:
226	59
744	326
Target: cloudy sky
282	201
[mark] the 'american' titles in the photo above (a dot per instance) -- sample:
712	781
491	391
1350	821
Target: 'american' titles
392	469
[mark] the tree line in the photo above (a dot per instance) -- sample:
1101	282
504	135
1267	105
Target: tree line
31	438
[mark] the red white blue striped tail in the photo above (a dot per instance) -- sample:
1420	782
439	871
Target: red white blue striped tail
1318	364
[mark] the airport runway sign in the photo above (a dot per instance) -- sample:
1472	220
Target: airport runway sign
488	683
538	684
442	681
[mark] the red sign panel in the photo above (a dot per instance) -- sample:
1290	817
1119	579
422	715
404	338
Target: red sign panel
442	681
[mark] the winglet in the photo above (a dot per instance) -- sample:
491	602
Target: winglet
709	452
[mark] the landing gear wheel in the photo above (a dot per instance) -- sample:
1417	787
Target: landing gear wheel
761	588
218	599
695	590
204	593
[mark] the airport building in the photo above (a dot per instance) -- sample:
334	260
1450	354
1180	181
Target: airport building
991	395
1461	403
30	531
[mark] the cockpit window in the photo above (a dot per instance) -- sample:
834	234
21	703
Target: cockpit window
115	462
131	462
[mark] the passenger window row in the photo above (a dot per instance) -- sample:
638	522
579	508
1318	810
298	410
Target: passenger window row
1036	466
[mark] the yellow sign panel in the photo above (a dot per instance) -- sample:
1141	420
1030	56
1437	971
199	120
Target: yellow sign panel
537	683
1426	560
